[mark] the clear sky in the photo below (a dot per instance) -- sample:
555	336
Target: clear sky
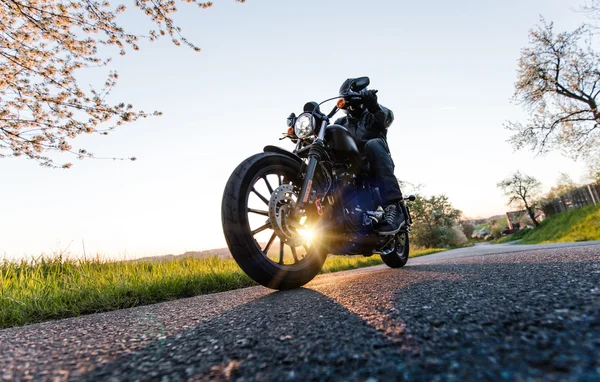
446	69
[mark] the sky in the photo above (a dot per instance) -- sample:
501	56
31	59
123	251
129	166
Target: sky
446	69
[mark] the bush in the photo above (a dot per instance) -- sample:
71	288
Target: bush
497	227
433	221
459	236
467	229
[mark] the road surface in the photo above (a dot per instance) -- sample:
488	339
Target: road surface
509	312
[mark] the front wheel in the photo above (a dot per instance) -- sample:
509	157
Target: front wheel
272	248
399	256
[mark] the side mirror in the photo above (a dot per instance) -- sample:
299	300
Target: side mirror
291	120
411	198
360	83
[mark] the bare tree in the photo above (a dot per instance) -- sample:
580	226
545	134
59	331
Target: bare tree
558	83
521	190
593	171
591	9
43	43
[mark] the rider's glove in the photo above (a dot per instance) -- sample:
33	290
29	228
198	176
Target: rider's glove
369	98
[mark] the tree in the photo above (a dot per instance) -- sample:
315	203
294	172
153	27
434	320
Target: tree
593	171
522	190
592	10
43	44
433	221
564	184
558	82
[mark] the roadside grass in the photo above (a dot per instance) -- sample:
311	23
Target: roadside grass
581	224
343	263
51	288
56	287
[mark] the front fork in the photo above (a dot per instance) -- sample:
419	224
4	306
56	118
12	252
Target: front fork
314	156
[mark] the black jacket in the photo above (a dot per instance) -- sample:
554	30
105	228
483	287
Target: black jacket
369	125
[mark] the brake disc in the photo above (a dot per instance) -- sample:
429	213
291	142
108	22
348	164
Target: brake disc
281	207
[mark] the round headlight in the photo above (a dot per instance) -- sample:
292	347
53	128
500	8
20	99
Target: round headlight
304	126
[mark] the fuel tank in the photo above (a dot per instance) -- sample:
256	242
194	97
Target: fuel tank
342	146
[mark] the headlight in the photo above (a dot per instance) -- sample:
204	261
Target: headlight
304	126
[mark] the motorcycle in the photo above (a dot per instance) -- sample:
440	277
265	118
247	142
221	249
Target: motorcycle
283	212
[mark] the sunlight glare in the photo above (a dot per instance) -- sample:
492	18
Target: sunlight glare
308	234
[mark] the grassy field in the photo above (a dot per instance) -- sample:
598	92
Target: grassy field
581	224
51	288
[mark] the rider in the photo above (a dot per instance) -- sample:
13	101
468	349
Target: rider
368	123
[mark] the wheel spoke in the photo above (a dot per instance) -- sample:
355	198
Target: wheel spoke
261	228
265	200
268	184
294	254
271	240
259	212
306	248
281	248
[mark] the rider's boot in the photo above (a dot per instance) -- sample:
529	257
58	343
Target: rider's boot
393	220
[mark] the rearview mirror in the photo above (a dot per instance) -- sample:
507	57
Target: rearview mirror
291	120
411	198
360	84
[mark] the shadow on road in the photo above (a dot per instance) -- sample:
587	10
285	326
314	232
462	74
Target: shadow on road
506	320
298	334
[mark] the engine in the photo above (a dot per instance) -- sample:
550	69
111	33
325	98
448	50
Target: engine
360	211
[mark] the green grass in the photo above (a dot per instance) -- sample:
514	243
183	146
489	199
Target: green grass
427	251
581	224
58	287
343	263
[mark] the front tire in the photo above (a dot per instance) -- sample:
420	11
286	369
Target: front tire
266	170
399	257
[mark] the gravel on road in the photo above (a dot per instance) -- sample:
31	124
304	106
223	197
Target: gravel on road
515	316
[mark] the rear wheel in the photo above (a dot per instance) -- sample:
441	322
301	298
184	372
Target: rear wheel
399	256
271	247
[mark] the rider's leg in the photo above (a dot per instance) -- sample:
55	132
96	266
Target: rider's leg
382	167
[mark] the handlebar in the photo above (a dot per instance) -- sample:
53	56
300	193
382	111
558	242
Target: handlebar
349	97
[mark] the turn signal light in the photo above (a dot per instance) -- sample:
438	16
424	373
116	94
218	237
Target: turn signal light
290	131
341	103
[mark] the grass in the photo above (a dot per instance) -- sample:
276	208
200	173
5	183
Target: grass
58	287
343	263
582	224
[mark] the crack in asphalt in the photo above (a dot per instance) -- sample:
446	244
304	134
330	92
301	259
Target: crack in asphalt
512	316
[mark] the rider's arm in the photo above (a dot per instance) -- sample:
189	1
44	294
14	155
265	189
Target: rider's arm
377	121
379	117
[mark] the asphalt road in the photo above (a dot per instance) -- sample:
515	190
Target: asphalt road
484	313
